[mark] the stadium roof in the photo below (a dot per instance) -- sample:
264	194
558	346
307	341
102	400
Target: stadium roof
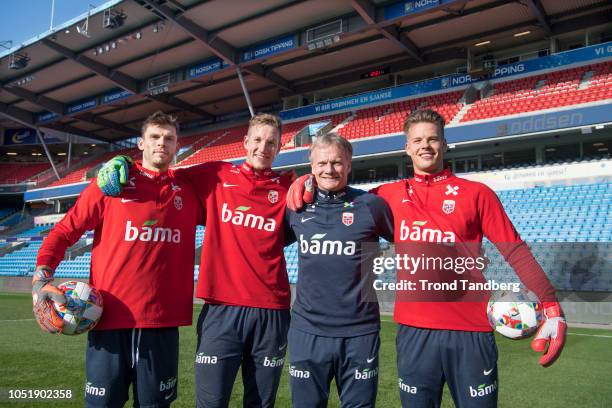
99	75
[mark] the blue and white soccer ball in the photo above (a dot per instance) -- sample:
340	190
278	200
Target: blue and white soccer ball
515	315
83	308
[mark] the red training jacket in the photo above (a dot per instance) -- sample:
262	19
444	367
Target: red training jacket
242	260
444	208
143	251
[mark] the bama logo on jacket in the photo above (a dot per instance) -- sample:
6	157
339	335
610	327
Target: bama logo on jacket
319	246
148	232
241	216
417	232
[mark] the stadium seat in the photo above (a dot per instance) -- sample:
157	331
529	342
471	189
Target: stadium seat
20	262
293	128
80	173
221	144
559	89
388	119
12	174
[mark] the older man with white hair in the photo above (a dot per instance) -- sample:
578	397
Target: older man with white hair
335	325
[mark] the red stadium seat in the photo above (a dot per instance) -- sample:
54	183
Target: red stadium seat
80	174
389	118
13	173
560	89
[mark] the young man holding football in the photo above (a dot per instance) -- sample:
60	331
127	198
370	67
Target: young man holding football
243	277
438	340
142	264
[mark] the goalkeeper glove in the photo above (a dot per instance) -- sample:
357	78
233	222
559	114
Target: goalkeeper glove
114	174
301	192
551	333
43	294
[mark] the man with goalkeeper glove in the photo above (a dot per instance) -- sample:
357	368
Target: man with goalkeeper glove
442	341
142	264
243	277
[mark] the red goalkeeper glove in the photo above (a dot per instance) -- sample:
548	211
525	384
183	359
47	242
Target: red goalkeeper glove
43	294
551	333
301	192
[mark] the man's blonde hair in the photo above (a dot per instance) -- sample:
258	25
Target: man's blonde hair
266	119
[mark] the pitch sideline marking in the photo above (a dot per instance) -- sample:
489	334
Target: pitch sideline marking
590	335
16	320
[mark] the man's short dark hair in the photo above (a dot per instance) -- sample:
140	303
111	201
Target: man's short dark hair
424	115
160	118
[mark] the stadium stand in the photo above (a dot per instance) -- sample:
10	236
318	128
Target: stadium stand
33	232
199	239
572	266
292	129
11	220
218	145
190	141
225	144
74	268
568	228
552	90
21	262
5	212
566	216
389	118
199	236
556	89
80	174
539	92
196	271
291	258
12	174
564	213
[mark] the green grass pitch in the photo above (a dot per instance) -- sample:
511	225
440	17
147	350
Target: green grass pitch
30	359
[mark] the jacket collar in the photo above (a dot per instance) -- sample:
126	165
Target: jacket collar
324	195
436	178
262	174
156	176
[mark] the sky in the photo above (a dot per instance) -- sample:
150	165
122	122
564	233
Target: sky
25	19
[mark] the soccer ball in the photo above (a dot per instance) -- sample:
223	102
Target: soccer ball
83	308
515	315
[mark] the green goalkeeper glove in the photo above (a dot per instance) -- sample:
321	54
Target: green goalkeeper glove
114	175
